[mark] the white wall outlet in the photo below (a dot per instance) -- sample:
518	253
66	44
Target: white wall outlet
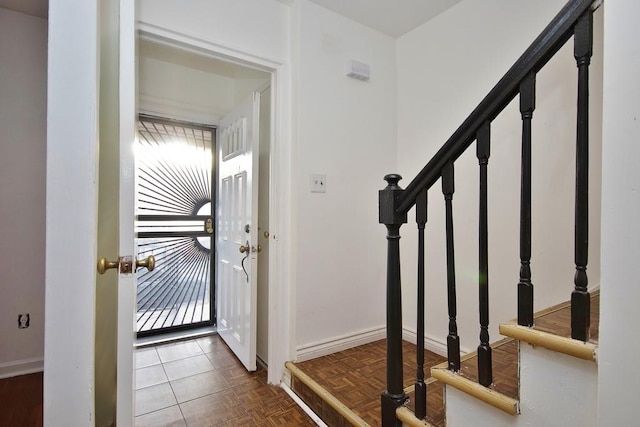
318	183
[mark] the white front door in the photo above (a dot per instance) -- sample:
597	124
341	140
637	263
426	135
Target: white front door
238	248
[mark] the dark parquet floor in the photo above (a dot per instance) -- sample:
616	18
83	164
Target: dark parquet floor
357	377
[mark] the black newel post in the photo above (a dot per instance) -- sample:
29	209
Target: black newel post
485	371
580	299
394	396
525	286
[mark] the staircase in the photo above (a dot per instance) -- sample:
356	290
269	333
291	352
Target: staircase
545	367
539	367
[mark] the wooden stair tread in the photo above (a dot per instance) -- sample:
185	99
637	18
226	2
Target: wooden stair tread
505	368
552	330
503	393
557	320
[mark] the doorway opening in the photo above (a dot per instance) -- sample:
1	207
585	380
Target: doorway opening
175	165
185	86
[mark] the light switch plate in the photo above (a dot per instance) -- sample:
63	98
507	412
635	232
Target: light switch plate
318	183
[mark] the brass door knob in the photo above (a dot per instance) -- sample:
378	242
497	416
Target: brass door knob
244	249
259	248
266	234
149	263
104	264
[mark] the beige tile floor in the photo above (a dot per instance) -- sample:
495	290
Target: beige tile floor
200	383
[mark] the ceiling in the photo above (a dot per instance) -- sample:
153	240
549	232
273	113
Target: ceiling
39	8
392	17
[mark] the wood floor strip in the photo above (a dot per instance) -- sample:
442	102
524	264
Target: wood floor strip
337	405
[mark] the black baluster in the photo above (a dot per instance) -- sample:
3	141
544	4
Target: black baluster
453	340
394	396
525	287
420	386
485	374
580	299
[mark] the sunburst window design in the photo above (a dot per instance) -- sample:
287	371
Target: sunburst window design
174	163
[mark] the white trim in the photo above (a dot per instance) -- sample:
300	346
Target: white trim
21	367
339	343
189	43
316	419
431	343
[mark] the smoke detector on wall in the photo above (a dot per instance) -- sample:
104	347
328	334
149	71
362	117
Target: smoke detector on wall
358	70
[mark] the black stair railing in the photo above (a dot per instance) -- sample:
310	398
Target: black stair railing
574	20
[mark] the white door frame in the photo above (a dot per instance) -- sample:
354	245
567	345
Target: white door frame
281	328
71	213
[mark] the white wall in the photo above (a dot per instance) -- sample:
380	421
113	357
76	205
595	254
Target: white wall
618	375
345	129
445	68
23	98
254	26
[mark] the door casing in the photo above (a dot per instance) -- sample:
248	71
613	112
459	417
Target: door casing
280	329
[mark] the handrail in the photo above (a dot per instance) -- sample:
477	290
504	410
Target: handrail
534	58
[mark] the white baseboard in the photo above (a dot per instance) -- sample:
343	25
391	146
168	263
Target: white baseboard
340	343
21	367
431	343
